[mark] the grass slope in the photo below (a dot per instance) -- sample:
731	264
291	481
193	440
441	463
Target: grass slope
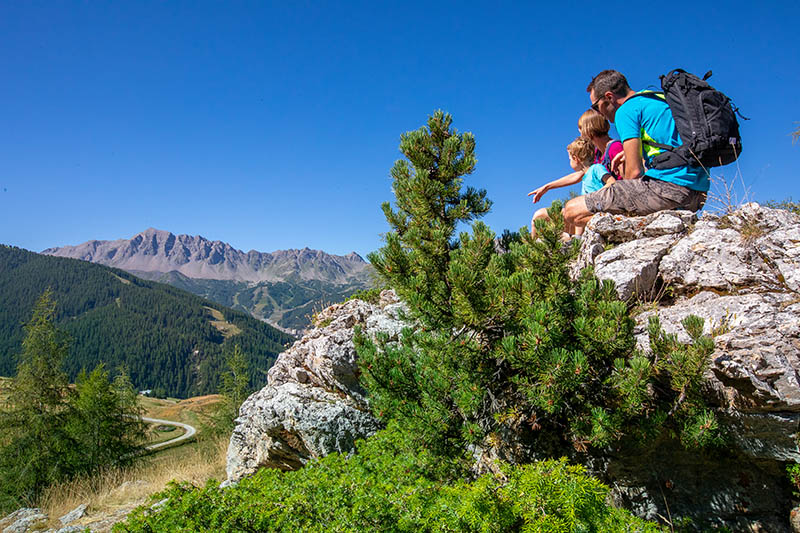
171	341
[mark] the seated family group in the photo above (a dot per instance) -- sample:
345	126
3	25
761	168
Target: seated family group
618	175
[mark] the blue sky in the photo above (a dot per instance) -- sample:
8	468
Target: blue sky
275	125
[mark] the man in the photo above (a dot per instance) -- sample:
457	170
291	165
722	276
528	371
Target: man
641	191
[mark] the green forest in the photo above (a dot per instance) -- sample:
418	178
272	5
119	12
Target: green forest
289	303
169	340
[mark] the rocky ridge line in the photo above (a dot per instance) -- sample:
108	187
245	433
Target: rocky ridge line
197	257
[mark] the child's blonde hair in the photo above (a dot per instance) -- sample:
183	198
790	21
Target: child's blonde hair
582	149
592	124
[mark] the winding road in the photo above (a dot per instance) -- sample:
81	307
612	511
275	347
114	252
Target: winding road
190	431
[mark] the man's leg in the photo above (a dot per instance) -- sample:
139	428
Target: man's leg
576	216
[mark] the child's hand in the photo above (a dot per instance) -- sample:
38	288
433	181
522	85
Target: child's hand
538	193
618	164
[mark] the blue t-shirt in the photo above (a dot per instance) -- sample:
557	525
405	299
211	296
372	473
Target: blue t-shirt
593	178
650	119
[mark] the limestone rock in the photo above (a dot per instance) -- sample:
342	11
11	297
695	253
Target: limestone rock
741	274
22	520
757	336
633	266
752	248
619	229
289	424
313	404
76	514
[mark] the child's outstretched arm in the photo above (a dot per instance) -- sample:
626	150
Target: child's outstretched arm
566	181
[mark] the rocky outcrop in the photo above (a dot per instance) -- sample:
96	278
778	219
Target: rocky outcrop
22	520
740	273
313	404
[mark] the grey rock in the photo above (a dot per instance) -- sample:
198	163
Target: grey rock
666	223
605	230
23	520
76	514
770	436
754	367
313	404
751	249
592	245
619	229
633	266
285	426
713	258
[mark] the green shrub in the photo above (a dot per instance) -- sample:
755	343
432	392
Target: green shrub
787	204
372	296
388	487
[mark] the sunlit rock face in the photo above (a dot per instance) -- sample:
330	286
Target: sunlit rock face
741	274
313	404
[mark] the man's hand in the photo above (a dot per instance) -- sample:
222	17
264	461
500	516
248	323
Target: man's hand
538	193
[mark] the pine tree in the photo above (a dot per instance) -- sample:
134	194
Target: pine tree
430	205
234	389
49	432
105	421
503	340
34	443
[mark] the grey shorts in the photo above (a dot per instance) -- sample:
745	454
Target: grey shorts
642	197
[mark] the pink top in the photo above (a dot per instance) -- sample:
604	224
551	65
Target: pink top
612	149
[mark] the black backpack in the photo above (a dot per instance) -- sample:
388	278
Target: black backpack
705	119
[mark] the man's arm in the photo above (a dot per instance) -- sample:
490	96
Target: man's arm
632	148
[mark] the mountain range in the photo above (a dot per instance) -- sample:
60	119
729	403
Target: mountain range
171	341
282	288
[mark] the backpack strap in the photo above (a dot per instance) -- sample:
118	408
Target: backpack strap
659	96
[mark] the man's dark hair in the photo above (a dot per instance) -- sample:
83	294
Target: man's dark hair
609	80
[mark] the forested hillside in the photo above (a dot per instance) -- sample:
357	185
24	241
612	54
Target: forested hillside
171	341
289	304
282	288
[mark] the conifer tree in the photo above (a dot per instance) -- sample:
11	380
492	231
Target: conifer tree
34	441
430	205
105	420
234	389
507	339
49	432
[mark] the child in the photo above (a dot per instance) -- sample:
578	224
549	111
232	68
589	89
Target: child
581	153
594	127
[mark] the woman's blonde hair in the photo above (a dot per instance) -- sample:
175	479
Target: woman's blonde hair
592	124
582	149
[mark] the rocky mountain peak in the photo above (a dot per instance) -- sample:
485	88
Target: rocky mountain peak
160	251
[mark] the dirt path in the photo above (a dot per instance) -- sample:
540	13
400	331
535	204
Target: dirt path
190	431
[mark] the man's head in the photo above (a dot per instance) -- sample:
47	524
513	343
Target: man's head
607	91
581	153
592	124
